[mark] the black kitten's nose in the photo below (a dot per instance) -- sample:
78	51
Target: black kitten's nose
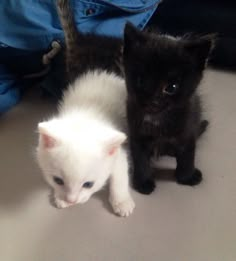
155	102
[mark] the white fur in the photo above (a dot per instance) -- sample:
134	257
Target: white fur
85	142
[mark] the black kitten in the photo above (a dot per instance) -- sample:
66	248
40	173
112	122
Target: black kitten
164	111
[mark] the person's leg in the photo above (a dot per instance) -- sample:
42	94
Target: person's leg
9	89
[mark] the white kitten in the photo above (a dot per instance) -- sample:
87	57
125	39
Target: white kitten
81	149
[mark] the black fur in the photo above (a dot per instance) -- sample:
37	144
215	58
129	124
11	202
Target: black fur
166	124
85	52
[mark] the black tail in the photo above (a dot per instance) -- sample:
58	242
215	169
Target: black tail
70	31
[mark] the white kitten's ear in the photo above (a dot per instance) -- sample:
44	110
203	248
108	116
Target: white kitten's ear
46	137
114	142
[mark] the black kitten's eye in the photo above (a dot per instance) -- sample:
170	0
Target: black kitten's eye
58	181
171	89
88	184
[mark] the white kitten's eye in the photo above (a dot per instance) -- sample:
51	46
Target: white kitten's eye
58	181
88	184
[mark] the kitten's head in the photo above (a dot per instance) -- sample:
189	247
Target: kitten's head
162	71
76	158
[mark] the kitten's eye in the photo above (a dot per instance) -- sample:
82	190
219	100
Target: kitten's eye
171	89
88	184
58	181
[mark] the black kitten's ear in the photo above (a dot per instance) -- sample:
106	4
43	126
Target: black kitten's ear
132	36
200	48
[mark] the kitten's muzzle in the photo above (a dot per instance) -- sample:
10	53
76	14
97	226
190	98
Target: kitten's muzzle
152	107
71	199
75	199
156	106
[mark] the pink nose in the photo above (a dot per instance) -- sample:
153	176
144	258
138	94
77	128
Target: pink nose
71	200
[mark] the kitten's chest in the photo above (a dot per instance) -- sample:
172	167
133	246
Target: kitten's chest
163	136
157	127
151	126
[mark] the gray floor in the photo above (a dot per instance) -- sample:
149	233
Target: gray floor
175	223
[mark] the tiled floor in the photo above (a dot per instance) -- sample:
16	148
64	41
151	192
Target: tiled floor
175	223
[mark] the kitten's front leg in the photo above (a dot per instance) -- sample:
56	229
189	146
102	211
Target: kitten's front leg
143	180
186	173
120	198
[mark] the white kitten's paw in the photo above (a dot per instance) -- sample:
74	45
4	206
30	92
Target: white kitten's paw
123	208
58	203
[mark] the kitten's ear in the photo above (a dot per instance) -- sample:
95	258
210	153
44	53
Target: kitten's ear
132	37
200	48
114	142
47	139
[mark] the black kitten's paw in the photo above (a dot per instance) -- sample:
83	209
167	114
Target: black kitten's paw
145	187
203	127
192	180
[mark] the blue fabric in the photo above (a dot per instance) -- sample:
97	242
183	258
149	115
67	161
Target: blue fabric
31	25
9	91
34	24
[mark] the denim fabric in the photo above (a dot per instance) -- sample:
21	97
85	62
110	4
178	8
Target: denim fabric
34	24
29	26
9	91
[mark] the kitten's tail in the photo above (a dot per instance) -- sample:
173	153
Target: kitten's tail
203	127
69	27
